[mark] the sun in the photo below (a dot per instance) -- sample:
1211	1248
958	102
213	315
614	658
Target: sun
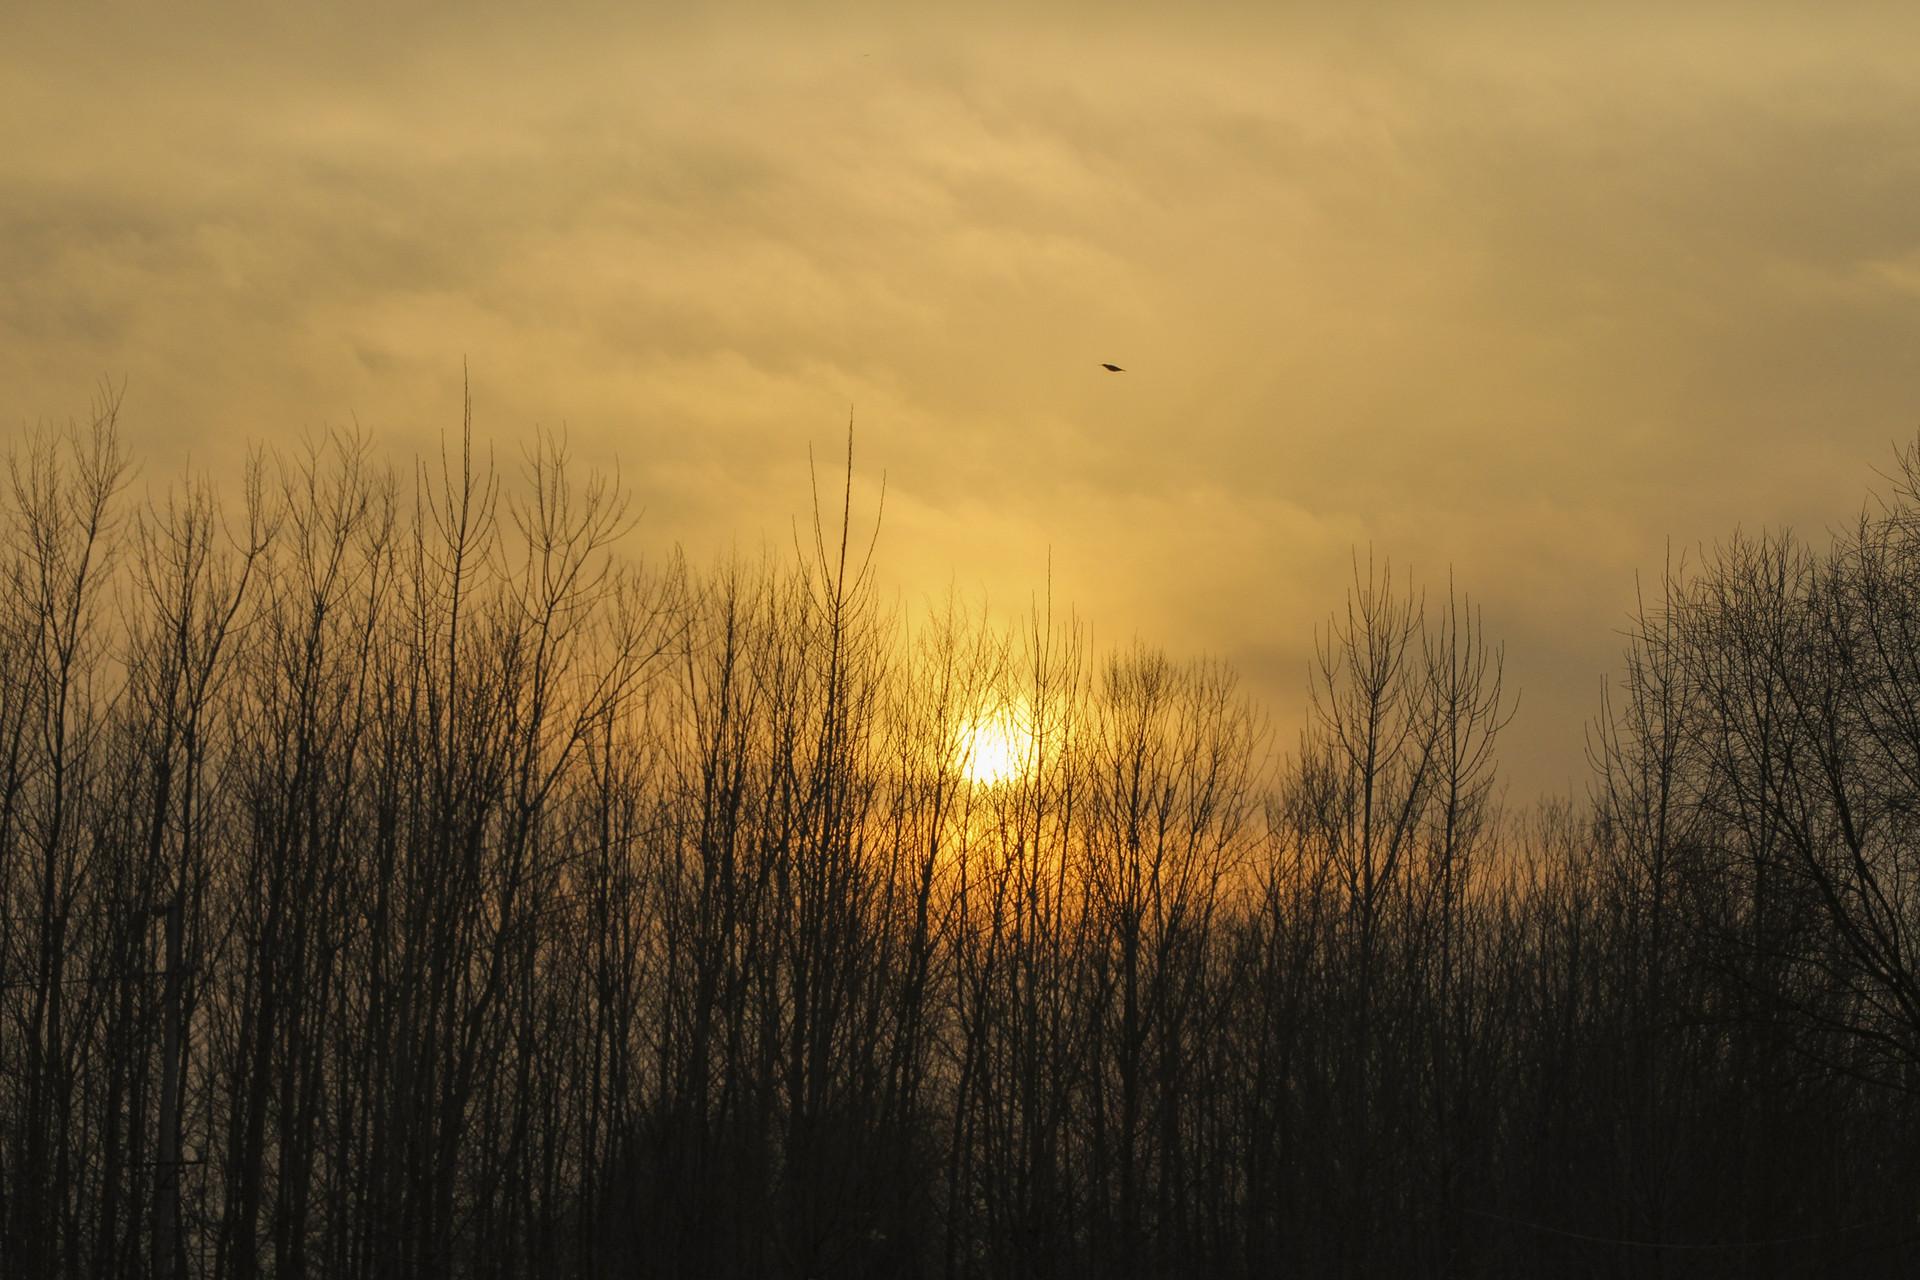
995	746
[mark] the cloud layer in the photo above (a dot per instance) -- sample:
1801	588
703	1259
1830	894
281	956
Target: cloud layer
1519	297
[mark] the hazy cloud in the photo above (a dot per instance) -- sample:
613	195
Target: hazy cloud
1519	295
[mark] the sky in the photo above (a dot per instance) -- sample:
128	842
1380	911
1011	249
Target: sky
1531	301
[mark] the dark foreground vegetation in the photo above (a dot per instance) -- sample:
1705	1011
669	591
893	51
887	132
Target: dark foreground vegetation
395	884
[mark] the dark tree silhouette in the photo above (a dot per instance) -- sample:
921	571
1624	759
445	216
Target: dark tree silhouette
396	879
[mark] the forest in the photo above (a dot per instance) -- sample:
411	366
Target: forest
400	879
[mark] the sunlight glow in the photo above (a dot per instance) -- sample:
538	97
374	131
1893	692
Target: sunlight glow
996	746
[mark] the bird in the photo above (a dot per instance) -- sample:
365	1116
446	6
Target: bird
1111	368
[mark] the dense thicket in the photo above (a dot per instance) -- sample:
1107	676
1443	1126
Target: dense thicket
398	883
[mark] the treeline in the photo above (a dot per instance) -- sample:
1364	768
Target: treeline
399	882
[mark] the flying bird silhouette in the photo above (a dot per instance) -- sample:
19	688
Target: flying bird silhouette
1112	368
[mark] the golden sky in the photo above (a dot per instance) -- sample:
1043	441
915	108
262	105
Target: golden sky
1518	295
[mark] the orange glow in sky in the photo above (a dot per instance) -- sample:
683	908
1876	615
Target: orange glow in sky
1526	294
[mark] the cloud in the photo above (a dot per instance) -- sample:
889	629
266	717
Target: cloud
1521	294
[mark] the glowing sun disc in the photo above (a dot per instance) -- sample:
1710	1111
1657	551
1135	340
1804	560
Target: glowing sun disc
994	748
